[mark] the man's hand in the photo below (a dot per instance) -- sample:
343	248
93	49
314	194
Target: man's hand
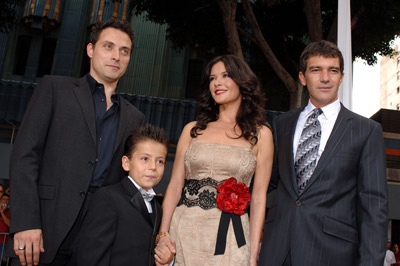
28	245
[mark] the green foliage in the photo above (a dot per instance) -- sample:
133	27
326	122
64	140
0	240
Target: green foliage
194	23
199	24
379	23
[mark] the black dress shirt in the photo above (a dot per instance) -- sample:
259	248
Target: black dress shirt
107	122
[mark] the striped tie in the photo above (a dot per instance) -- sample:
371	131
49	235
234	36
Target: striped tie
307	150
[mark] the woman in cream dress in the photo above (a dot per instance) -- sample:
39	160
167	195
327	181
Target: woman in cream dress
230	138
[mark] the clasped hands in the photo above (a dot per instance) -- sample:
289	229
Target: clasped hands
164	251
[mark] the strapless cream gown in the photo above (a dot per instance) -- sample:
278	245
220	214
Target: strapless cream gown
195	222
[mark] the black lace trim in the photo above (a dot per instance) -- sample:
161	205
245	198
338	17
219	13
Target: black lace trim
205	199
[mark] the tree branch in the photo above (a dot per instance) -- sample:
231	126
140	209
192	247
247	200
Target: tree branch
258	38
312	10
228	11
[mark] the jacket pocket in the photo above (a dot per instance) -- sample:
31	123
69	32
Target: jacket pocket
340	229
46	192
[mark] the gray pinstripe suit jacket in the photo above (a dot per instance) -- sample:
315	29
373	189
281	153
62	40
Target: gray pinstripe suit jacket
341	217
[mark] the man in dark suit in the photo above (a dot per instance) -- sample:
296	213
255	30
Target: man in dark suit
331	202
70	143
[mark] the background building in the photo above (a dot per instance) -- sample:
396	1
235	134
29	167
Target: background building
389	120
390	81
50	37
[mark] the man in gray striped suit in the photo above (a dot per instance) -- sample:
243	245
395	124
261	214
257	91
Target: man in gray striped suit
331	203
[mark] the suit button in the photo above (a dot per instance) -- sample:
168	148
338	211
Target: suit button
90	163
82	193
298	203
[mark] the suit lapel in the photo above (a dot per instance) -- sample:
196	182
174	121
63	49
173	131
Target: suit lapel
85	99
137	200
158	213
340	129
290	127
84	95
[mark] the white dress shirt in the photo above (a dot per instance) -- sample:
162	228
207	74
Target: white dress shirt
150	191
327	120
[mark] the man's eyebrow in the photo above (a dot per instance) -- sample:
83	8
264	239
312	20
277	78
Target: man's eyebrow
107	41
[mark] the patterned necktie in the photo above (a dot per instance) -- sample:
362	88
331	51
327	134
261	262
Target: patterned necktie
307	150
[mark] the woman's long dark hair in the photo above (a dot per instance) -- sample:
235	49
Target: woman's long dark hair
251	113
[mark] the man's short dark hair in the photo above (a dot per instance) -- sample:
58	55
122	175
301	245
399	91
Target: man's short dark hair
143	133
322	48
113	23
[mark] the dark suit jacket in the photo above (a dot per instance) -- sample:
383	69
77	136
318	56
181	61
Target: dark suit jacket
54	156
341	217
117	230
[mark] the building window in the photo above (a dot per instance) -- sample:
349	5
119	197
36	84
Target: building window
398	61
21	56
398	106
46	56
45	63
398	90
398	75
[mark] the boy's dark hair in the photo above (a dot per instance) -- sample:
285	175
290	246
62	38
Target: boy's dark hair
143	133
321	48
113	23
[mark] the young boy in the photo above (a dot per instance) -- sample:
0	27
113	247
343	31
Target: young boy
120	226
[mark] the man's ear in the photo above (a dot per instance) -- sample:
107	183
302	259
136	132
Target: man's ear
89	50
341	79
125	163
302	78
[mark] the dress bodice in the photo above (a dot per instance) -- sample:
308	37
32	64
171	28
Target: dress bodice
219	161
209	164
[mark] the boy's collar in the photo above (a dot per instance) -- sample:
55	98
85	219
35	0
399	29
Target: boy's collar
150	191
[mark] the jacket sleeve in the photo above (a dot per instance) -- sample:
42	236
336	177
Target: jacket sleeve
372	204
273	184
26	159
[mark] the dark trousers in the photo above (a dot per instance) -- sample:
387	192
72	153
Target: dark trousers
287	261
67	252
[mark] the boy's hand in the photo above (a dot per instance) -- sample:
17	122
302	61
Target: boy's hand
165	251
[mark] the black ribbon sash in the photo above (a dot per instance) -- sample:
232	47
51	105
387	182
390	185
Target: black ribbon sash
223	232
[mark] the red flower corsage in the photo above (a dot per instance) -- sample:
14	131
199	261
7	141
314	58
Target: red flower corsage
233	197
232	200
